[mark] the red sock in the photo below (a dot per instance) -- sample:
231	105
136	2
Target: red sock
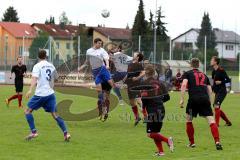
144	112
13	97
20	100
224	117
190	132
215	133
159	137
135	111
217	115
159	145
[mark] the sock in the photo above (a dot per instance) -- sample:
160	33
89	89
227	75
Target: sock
159	137
224	117
144	112
99	103
107	103
215	133
20	100
61	124
135	111
159	145
30	121
190	132
117	92
217	115
13	97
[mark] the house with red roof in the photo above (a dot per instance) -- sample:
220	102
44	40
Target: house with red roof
63	39
15	40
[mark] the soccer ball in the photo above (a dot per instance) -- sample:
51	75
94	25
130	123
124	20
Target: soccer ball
105	13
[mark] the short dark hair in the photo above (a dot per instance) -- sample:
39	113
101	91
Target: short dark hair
120	48
216	59
195	62
96	40
140	56
42	54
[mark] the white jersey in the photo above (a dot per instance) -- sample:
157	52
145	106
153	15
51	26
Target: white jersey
96	57
46	73
121	61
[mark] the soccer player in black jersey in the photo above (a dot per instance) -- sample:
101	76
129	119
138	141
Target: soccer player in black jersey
199	90
220	80
19	70
153	95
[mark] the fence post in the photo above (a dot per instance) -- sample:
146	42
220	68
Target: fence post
79	50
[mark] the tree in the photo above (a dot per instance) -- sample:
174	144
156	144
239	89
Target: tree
161	29
51	20
206	30
10	15
139	26
38	43
63	19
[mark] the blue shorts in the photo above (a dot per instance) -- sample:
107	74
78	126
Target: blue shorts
118	76
101	75
48	103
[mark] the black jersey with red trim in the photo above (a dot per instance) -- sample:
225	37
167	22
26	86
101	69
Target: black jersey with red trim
220	75
153	94
19	71
197	83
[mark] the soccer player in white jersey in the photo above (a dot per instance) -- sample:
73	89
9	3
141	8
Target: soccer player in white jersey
98	59
121	62
43	75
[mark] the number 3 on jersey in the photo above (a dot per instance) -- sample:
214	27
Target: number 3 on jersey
48	74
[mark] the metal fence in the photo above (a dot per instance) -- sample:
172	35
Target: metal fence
69	53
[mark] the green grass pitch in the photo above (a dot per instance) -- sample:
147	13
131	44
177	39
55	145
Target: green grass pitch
116	139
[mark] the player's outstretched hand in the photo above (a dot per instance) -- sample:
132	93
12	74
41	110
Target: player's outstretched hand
28	94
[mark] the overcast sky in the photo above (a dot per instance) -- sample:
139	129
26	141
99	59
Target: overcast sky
181	15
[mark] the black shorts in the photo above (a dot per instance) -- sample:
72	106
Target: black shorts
199	106
133	94
219	97
19	85
155	120
106	86
154	127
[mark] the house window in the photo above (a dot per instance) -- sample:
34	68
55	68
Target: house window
68	57
68	46
229	47
57	45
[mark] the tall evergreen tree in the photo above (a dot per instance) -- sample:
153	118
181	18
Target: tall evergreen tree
10	15
161	29
51	20
206	30
139	26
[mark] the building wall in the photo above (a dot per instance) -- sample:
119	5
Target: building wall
11	47
64	49
225	51
190	37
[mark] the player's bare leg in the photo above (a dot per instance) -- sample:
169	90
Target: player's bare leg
62	125
106	105
190	131
215	132
20	100
30	120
